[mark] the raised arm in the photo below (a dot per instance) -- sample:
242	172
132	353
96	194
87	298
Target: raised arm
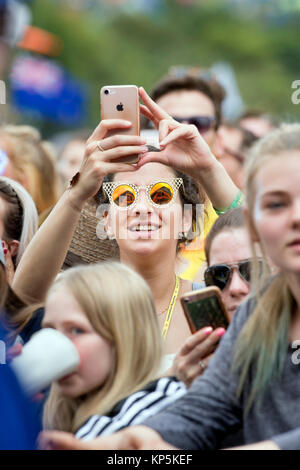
45	254
183	148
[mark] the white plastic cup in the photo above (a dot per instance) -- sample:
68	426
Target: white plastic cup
46	358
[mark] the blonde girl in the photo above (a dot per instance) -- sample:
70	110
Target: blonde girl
108	312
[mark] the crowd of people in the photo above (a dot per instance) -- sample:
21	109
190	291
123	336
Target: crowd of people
103	251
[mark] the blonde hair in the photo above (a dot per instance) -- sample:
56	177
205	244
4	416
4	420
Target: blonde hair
35	159
120	307
261	346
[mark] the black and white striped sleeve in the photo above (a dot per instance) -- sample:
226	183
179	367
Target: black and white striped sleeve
135	409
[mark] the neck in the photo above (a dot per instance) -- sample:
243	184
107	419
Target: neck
158	272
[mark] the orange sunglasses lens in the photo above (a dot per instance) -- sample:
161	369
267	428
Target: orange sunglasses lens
123	195
161	193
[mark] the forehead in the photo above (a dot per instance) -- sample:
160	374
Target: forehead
146	174
279	173
61	306
187	103
230	246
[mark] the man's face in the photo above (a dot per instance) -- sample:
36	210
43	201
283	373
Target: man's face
187	104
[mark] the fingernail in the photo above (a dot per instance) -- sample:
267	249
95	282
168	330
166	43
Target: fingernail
208	330
221	332
5	251
144	149
127	123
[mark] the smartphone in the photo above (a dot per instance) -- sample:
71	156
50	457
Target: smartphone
122	102
205	308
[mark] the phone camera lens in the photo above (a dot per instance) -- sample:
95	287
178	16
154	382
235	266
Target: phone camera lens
106	92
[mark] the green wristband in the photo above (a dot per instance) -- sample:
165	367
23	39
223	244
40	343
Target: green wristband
238	201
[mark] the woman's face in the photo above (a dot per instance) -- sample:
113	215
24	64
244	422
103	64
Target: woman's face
145	229
276	216
231	247
63	313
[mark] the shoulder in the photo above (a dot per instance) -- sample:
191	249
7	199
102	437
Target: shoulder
134	409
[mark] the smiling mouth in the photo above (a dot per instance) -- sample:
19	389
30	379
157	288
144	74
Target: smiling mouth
144	228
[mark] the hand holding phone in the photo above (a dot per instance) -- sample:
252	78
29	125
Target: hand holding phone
122	102
205	308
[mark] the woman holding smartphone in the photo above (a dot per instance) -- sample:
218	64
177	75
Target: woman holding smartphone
144	247
253	378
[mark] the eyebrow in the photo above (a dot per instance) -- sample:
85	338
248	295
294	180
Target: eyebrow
65	323
275	192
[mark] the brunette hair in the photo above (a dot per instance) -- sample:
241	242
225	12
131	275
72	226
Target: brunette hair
231	220
20	219
209	87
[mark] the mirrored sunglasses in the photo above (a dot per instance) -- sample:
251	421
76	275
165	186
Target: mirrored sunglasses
220	275
159	194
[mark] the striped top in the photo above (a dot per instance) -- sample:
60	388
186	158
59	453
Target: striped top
134	409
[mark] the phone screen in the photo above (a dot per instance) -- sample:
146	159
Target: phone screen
206	312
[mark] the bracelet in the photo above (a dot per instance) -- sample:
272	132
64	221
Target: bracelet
238	201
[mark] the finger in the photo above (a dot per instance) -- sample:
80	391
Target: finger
114	153
119	140
179	132
145	111
206	347
157	157
120	167
106	125
165	126
195	339
155	109
119	152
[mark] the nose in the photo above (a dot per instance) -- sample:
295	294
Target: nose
295	216
142	205
237	286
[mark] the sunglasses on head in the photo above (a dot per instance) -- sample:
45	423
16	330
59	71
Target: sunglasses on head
203	123
220	275
159	194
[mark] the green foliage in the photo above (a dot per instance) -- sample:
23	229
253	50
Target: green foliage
101	49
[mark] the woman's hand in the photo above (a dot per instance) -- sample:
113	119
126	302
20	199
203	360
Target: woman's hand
182	147
100	158
193	357
132	438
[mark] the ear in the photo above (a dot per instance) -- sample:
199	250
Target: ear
186	220
13	246
250	226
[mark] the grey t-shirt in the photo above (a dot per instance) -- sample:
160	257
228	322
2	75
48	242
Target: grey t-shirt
210	411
